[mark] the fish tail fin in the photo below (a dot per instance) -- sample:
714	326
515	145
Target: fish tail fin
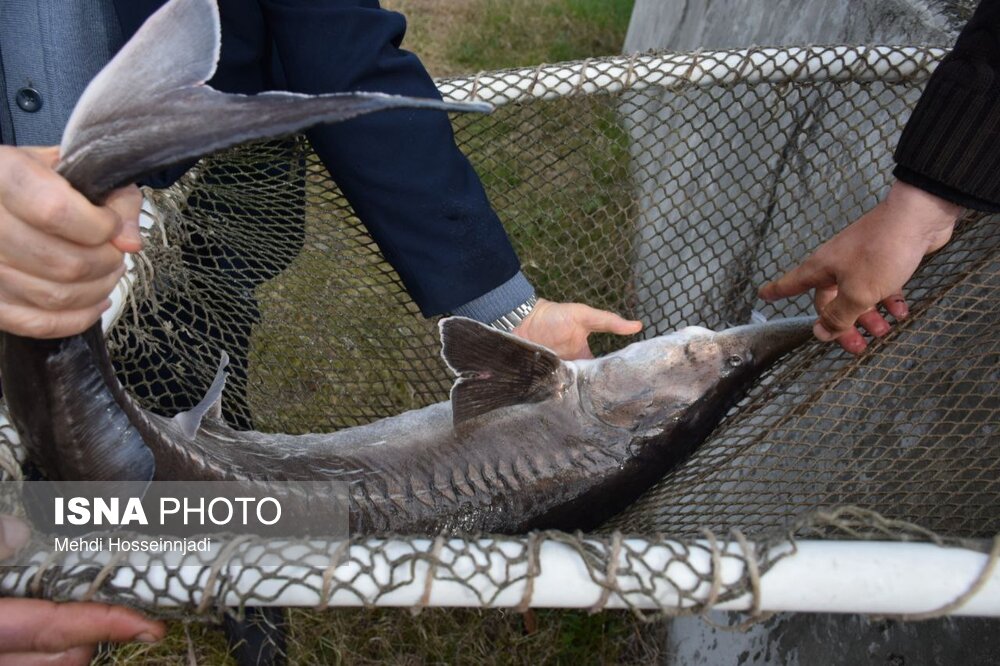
150	106
496	369
210	406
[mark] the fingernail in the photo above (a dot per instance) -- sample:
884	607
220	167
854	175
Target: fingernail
821	333
106	304
146	637
856	347
13	532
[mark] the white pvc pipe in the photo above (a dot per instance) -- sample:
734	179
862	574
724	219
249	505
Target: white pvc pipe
7	430
890	578
701	69
612	75
119	297
879	577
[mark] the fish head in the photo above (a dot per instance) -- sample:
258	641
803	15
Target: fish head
652	383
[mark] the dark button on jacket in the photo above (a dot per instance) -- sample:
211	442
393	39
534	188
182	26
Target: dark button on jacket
28	100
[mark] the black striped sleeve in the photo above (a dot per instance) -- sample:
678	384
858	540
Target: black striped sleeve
951	144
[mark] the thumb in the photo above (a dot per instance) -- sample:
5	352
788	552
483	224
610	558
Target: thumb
127	202
602	321
47	155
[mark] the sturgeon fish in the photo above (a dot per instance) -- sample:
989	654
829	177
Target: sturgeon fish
526	441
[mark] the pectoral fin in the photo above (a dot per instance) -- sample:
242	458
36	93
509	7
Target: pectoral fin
496	369
209	407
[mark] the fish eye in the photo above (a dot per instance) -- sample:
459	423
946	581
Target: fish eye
735	361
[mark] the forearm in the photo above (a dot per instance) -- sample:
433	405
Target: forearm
401	171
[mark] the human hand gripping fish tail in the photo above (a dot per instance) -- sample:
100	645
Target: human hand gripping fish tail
149	108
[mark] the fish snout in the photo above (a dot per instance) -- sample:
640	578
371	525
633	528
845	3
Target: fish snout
764	343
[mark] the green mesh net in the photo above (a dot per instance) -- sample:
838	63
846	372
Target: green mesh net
664	187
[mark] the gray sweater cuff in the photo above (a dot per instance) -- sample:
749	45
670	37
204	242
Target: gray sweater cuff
496	303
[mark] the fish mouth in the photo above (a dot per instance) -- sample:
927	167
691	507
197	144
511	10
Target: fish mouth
768	341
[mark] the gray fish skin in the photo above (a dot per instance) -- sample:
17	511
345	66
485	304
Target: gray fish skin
527	442
147	109
65	402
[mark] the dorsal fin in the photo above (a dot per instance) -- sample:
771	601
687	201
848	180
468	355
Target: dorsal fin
496	369
210	406
149	108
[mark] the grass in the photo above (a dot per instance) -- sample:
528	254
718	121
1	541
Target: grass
559	177
516	33
558	174
361	637
454	37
